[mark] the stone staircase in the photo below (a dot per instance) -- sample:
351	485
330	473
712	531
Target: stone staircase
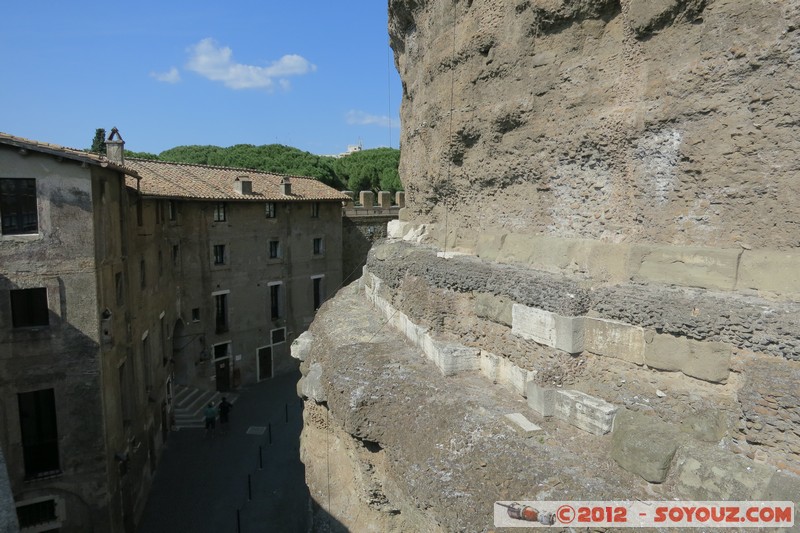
189	403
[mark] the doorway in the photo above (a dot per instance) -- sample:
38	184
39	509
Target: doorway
264	363
222	368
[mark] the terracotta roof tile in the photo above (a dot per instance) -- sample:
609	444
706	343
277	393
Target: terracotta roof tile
182	180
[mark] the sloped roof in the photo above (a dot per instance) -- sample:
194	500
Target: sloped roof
62	151
201	182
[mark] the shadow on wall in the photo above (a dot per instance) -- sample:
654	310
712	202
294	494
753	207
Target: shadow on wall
358	236
323	521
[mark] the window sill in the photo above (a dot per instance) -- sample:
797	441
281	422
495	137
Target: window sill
44	476
21	237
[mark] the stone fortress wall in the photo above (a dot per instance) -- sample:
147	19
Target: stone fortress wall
602	225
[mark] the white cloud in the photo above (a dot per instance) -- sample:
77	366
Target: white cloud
361	118
171	76
216	63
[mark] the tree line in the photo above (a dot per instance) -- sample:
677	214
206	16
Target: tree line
374	169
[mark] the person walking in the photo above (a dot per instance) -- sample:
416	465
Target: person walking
210	415
224	411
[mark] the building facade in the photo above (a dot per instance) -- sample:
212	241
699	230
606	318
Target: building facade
118	279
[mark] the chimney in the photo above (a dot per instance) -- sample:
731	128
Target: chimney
286	186
115	149
243	185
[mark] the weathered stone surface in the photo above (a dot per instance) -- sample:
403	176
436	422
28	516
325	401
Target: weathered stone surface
396	229
301	346
709	361
541	399
707	473
521	424
584	411
311	386
550	329
501	370
706	268
644	445
614	339
496	308
784	487
708	426
770	270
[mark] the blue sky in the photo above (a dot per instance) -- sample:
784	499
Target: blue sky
317	75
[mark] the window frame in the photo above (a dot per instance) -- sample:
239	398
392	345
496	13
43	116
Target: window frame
276	309
277	249
38	436
21	211
315	209
219	254
271	210
318	247
220	212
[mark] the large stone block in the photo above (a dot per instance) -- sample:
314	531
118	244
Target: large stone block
644	445
301	346
584	411
550	329
709	361
769	270
704	473
495	308
541	399
310	385
452	358
489	244
614	339
396	229
686	266
501	370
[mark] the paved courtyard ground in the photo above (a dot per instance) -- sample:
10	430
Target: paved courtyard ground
202	482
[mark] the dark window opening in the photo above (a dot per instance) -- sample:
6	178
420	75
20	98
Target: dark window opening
29	308
219	212
221	350
272	210
318	294
160	263
221	305
275	301
317	247
278	335
142	274
139	211
172	210
34	514
175	254
315	210
219	254
37	419
274	249
196	314
120	288
18	206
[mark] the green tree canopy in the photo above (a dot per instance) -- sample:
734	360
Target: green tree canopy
99	141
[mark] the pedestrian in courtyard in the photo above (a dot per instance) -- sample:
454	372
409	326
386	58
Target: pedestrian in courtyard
224	410
210	415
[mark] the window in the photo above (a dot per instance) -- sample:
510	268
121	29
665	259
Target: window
219	254
37	513
274	249
315	210
29	308
142	274
176	251
196	314
221	312
37	420
278	335
275	304
318	289
160	263
317	247
272	210
139	211
120	288
172	210
18	206
219	212
222	350
158	212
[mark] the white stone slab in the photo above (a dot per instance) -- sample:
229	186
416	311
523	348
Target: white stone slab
614	339
522	424
584	411
550	329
